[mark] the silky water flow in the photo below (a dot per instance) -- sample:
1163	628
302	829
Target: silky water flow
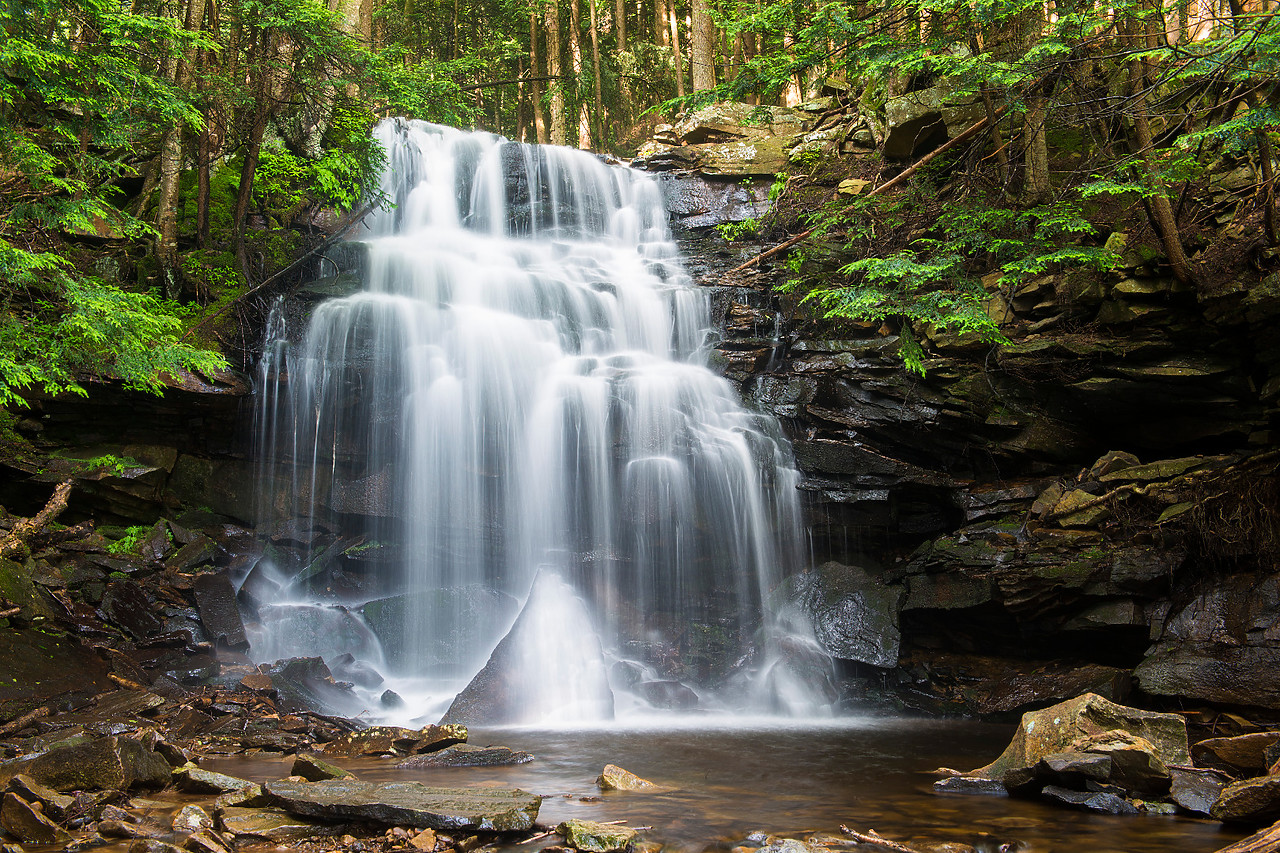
499	468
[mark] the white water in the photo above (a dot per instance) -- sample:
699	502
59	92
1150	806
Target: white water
520	390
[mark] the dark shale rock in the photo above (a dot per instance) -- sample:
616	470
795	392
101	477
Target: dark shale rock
409	804
1221	647
466	755
306	684
52	803
971	785
219	612
854	617
1091	801
1195	789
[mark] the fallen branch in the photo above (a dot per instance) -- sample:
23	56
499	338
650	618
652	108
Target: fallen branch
12	611
898	179
873	837
26	528
20	723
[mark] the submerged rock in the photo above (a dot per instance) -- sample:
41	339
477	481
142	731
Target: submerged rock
1094	801
408	804
268	824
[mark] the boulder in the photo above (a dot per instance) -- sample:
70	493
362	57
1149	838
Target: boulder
614	778
27	824
854	616
1255	801
1072	769
393	740
591	837
1059	727
205	841
1196	790
110	763
1243	755
466	755
314	769
306	684
408	804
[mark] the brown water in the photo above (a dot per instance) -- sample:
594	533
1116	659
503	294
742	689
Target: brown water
727	782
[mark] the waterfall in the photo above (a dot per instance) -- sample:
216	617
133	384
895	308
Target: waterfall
518	390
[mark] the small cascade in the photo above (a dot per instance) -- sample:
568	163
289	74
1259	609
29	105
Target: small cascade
519	391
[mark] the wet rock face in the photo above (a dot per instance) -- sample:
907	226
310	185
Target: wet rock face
111	763
854	617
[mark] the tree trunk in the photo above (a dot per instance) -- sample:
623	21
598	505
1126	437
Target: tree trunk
1161	209
253	146
600	118
661	31
575	60
702	52
535	91
674	23
620	11
559	133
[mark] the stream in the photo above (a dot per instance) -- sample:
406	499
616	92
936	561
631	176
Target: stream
789	780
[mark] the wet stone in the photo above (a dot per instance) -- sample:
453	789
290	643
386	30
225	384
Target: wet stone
1105	803
614	778
1195	789
151	845
204	841
466	755
191	818
1254	801
409	804
219	612
53	804
391	740
268	824
1240	755
314	769
110	763
194	780
591	837
971	785
27	824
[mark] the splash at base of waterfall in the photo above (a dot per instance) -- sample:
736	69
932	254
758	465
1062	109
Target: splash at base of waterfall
505	459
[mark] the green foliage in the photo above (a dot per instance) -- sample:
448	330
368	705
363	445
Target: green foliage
129	542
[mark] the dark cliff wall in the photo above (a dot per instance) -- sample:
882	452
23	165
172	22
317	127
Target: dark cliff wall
1093	506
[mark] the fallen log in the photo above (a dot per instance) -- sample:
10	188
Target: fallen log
873	837
26	528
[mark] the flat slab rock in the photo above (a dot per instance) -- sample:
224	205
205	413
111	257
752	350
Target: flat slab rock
409	804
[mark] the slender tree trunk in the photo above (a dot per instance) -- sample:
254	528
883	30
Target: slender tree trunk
661	31
535	91
1161	208
674	23
575	60
600	118
559	134
253	145
620	10
702	45
212	116
170	171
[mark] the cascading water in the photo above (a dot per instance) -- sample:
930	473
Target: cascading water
513	423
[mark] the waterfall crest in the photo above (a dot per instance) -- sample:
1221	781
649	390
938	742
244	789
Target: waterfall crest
519	390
